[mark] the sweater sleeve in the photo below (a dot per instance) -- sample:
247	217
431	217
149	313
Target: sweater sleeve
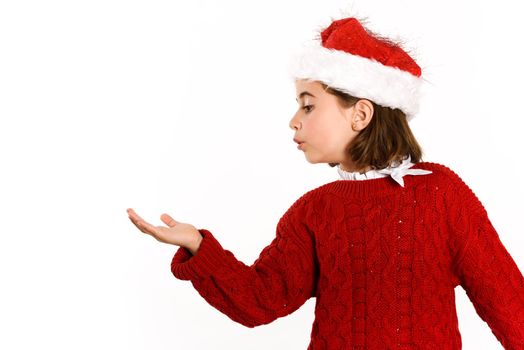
485	269
280	280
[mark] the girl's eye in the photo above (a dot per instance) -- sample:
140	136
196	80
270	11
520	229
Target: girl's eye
307	108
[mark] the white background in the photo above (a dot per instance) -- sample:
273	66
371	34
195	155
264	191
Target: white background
184	107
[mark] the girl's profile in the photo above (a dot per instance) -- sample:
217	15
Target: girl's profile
383	247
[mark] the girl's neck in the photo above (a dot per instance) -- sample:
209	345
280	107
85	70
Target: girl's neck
350	168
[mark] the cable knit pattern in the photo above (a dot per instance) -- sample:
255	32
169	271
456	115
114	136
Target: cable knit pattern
381	260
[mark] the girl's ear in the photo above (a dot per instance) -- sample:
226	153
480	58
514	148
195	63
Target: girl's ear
363	112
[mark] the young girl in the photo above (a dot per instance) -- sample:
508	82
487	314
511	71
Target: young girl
381	249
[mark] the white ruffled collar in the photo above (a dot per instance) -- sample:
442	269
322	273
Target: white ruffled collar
396	170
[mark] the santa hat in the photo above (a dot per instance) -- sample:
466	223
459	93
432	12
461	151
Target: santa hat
349	58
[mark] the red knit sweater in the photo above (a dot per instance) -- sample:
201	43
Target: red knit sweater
382	262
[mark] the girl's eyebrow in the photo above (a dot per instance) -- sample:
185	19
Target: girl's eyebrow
303	93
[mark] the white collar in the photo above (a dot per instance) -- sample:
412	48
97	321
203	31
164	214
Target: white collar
395	170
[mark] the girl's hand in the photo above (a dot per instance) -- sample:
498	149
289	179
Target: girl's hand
177	233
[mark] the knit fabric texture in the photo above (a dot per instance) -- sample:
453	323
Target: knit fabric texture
381	260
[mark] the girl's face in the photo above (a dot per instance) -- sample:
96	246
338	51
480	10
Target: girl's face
325	127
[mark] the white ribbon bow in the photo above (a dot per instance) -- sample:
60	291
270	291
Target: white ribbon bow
403	169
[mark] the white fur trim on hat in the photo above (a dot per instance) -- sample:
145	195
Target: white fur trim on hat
358	76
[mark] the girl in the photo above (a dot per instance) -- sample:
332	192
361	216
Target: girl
381	249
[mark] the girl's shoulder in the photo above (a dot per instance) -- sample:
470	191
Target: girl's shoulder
453	185
442	173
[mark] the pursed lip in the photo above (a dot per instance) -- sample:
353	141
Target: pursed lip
297	141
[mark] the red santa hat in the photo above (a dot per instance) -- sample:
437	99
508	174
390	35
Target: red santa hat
349	58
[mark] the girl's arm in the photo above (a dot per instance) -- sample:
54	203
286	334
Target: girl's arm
485	269
281	279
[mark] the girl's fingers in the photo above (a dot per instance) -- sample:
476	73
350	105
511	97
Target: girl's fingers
132	213
150	229
137	223
143	225
137	220
168	220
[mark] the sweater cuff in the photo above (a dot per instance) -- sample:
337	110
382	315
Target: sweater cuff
207	259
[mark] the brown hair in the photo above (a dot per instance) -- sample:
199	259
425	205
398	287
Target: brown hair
385	139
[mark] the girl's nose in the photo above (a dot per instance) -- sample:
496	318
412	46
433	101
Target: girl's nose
293	123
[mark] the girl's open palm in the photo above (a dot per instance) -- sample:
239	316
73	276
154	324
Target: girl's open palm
177	233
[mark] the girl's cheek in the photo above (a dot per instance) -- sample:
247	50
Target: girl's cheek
312	125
